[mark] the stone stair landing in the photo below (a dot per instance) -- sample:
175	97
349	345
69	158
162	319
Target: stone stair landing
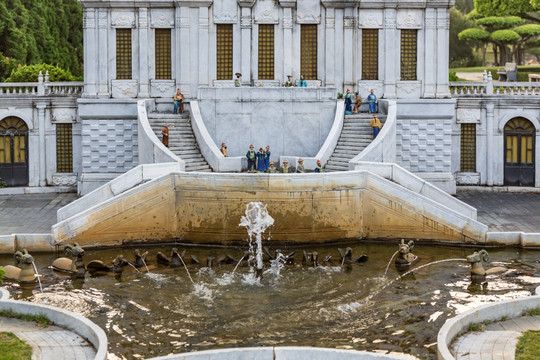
182	141
355	136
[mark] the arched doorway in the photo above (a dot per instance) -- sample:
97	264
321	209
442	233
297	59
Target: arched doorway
519	152
14	151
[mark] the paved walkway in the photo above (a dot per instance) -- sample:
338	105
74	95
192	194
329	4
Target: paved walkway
31	213
50	342
497	342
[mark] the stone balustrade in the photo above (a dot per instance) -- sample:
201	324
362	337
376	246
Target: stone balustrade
489	88
43	87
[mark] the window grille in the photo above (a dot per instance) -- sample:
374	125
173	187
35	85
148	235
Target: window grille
370	52
468	148
266	51
224	52
308	51
64	148
123	53
163	53
408	54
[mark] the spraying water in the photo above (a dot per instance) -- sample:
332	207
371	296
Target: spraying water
133	266
188	274
256	221
37	275
387	266
146	266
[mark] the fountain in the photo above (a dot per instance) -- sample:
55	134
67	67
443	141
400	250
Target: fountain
74	265
26	273
405	258
256	221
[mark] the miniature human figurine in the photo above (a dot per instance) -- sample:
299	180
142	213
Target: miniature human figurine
267	156
237	82
357	103
224	150
178	102
272	168
300	166
165	135
372	100
251	157
302	82
289	82
376	125
318	168
348	103
285	168
261	163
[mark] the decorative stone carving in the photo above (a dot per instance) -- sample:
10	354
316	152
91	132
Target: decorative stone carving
330	23
266	12
389	19
203	23
162	88
287	22
124	88
443	21
408	89
223	83
409	19
468	178
102	19
67	179
468	116
123	19
308	12
162	19
370	19
245	22
64	115
184	22
143	18
89	21
364	87
225	12
348	22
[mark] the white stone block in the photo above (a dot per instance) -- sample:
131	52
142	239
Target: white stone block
530	239
126	181
503	238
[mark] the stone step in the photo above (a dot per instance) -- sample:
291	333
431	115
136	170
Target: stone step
355	147
342	153
332	168
198	167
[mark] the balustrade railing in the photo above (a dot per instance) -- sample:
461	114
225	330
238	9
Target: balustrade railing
489	88
43	87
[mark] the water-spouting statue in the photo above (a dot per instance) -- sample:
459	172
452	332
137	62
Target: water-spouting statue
117	266
287	259
140	259
478	273
74	265
347	258
174	261
25	272
405	257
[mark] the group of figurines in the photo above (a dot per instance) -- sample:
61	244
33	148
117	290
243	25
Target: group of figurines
259	161
372	101
288	83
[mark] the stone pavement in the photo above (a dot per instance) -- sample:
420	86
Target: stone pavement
31	213
50	342
497	342
505	211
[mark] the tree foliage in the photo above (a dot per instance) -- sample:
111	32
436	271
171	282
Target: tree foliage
474	34
40	31
460	54
500	22
30	73
503	7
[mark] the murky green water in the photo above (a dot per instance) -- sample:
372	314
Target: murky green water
160	313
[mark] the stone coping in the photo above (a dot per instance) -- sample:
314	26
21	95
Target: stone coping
63	318
283	353
490	312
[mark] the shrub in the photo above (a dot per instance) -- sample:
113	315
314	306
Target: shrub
452	76
3	184
30	73
2	273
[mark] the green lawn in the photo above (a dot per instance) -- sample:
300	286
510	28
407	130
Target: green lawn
528	347
13	348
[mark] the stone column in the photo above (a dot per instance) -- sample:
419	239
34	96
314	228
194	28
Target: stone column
203	47
442	52
103	49
330	26
287	41
185	51
144	68
349	49
177	63
90	52
245	25
490	107
429	59
42	159
391	52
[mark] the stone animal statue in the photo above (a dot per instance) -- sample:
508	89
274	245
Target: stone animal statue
313	259
175	260
140	259
74	265
98	267
478	273
25	272
405	257
347	258
288	259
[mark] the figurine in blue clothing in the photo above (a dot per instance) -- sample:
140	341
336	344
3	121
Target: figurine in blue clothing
318	168
251	158
267	156
348	103
372	100
261	161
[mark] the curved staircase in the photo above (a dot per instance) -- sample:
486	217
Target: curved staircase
355	136
182	141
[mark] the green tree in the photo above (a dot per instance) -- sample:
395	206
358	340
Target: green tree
503	38
461	54
497	23
478	38
527	33
521	8
30	73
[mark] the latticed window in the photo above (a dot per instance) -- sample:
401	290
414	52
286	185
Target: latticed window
408	54
64	148
468	148
224	51
266	51
370	52
308	51
163	53
123	53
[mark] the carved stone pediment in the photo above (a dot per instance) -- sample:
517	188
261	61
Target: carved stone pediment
162	18
468	116
308	12
370	19
266	12
409	19
63	115
123	19
225	12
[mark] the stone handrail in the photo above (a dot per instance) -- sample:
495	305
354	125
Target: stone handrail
64	88
22	88
63	318
208	147
508	309
467	88
151	149
43	87
118	185
408	180
383	148
489	88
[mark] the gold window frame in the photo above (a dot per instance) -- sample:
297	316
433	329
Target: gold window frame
266	52
224	51
64	148
409	49
123	54
163	54
468	148
308	51
370	54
